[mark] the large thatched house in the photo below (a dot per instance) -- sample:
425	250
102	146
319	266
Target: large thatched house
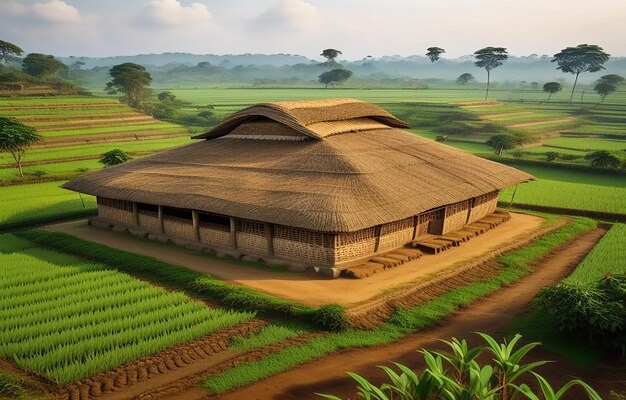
321	183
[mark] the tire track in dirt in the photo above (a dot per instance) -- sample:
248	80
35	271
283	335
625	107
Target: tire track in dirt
491	314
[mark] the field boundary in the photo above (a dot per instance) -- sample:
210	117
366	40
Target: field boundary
373	313
599	215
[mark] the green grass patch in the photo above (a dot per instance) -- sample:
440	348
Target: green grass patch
68	318
271	334
159	126
516	264
56	153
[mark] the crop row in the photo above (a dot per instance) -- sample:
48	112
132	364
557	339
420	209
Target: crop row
68	318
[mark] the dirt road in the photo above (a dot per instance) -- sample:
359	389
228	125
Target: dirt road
491	314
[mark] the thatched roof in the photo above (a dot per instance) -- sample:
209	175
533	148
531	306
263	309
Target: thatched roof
348	168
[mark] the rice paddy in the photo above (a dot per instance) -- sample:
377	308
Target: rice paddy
570	189
68	318
607	257
41	202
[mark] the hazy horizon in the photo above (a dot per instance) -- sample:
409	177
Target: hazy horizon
94	28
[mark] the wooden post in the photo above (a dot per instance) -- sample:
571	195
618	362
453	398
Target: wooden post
377	229
161	219
415	221
135	214
195	220
513	197
233	233
269	236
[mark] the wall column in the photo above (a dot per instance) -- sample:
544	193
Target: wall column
161	219
135	214
195	220
233	233
377	230
269	236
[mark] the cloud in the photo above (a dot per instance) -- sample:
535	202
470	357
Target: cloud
289	15
173	13
54	11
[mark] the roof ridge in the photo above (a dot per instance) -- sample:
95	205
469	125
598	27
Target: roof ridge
302	115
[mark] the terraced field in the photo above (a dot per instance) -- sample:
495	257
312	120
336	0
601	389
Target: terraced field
78	129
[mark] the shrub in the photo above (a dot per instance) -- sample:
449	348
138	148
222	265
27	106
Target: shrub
551	156
114	157
595	313
331	317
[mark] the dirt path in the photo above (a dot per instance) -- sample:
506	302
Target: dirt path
491	314
309	289
506	114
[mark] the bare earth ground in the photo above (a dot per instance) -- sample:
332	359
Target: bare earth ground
304	288
492	314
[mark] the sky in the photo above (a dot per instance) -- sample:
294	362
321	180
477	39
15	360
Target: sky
356	27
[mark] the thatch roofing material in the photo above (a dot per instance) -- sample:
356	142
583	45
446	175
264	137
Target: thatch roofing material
311	117
339	183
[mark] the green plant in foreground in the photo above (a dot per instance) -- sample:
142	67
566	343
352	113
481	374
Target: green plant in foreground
458	376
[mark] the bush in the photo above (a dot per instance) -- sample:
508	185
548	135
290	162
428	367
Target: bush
595	313
331	317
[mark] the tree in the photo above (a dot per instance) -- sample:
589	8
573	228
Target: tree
330	55
612	78
131	79
490	58
461	373
604	89
552	88
433	53
551	156
582	58
206	114
41	65
465	78
8	51
335	76
114	157
77	64
603	159
534	85
502	142
16	138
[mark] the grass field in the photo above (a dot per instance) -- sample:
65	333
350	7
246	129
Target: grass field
68	318
41	202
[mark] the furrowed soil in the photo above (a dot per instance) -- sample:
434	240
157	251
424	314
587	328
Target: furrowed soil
492	314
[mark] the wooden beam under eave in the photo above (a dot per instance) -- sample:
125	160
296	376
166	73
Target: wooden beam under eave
135	214
161	229
269	236
233	233
195	220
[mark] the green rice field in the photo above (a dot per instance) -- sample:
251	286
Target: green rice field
607	257
41	202
572	189
68	318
